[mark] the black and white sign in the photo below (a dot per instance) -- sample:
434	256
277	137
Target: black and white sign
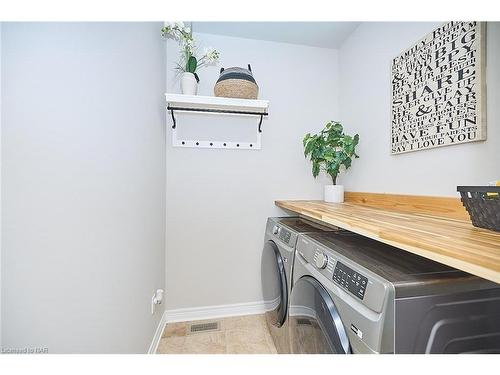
438	89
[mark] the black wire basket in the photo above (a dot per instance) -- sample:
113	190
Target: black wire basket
483	205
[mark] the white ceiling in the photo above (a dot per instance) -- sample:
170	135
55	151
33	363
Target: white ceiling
317	34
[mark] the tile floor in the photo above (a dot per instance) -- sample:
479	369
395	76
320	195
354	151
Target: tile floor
238	335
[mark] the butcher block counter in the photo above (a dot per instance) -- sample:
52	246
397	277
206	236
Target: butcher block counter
436	228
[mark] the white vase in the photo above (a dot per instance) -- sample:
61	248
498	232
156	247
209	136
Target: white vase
334	193
189	85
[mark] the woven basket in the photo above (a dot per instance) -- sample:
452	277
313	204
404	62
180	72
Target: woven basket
236	88
236	83
483	205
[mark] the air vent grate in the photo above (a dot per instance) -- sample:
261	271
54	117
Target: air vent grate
303	322
204	327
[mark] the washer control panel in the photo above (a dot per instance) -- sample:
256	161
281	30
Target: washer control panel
320	260
283	234
350	280
341	274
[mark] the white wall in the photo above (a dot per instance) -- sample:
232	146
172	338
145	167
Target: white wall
365	59
0	184
218	200
83	166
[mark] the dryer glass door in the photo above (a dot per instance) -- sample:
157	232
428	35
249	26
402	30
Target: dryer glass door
274	285
315	325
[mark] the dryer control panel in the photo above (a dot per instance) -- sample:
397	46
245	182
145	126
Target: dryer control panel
350	280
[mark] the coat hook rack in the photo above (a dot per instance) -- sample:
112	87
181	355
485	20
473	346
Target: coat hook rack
216	105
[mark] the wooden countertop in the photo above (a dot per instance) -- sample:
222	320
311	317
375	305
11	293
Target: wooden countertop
435	228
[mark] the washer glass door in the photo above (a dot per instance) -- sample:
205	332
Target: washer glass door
315	325
274	284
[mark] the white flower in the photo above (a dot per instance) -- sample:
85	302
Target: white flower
211	54
189	45
176	30
181	33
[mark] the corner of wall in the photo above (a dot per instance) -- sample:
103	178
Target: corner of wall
0	184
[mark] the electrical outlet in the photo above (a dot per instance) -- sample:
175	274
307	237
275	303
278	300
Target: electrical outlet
157	299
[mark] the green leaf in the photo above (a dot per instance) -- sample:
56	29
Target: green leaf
349	149
333	171
309	147
356	140
347	162
306	138
337	127
191	65
315	169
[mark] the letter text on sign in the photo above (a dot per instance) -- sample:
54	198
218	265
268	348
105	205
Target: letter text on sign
438	89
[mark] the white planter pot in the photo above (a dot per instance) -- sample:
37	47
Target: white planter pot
334	193
189	85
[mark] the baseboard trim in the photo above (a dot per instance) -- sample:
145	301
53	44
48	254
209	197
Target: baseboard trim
215	312
157	336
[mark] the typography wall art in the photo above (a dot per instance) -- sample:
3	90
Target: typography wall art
438	89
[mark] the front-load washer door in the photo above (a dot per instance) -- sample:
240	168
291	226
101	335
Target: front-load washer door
315	324
274	284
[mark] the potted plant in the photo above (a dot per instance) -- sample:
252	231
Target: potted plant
189	62
330	151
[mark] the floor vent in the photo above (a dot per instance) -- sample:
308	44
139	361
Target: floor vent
204	327
303	322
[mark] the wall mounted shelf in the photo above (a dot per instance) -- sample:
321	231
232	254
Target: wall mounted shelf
216	105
